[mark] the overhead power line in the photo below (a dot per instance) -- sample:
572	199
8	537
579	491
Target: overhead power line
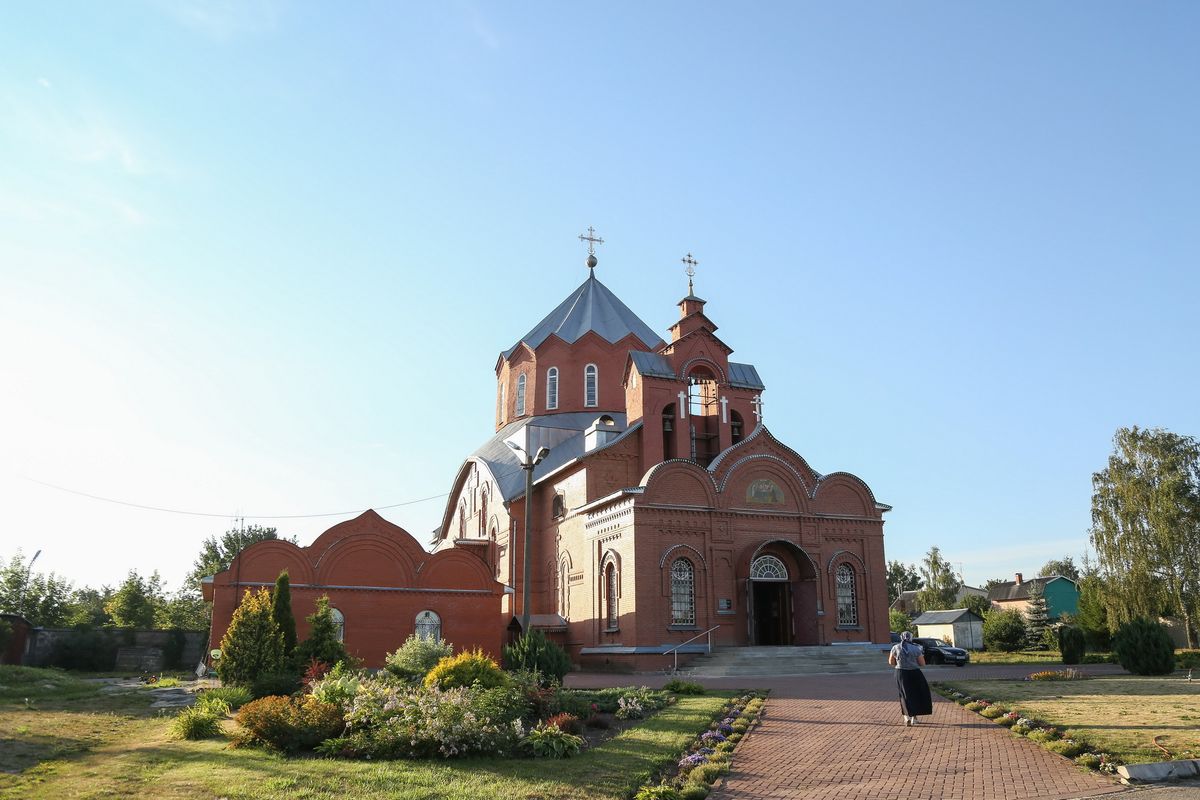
146	507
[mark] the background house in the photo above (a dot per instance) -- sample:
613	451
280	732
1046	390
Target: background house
958	626
907	601
1062	595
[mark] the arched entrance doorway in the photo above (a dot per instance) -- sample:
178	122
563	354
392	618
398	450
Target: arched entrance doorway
781	596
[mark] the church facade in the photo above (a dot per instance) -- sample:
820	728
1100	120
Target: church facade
663	513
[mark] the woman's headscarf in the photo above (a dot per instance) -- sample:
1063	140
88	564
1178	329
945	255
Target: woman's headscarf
906	637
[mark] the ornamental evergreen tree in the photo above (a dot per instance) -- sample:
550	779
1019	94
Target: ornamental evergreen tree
281	611
322	643
253	645
1036	618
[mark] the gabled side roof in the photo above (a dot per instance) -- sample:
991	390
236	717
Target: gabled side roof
1011	590
591	307
947	617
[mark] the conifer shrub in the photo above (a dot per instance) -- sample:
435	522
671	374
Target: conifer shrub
281	610
1004	631
322	643
683	687
275	683
1144	647
468	668
1071	643
252	646
533	651
412	660
289	724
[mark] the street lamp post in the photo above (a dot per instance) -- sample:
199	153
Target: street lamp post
25	585
527	464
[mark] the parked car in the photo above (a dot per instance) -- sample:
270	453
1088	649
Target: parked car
938	652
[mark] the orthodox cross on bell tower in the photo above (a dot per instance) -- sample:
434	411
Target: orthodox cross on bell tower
757	402
592	240
691	270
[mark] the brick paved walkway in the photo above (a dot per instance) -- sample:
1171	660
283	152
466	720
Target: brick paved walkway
841	737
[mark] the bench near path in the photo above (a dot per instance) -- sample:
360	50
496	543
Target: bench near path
842	737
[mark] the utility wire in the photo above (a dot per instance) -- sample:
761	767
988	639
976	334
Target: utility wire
226	515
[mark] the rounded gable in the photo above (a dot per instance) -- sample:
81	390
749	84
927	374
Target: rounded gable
843	493
679	482
262	562
366	559
764	481
456	569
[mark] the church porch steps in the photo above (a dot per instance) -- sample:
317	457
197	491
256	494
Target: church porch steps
737	661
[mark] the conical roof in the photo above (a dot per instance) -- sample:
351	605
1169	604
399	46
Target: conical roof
591	307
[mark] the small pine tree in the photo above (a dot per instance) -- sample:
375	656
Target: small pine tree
533	651
1036	619
281	610
1144	647
1071	644
322	643
252	646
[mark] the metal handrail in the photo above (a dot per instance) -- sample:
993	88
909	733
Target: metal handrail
675	649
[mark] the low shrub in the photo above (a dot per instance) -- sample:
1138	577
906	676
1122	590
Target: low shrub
566	722
533	651
1065	747
694	791
197	722
233	696
683	687
977	705
338	687
1144	647
1071	643
271	684
993	711
550	741
1004	630
1188	659
289	724
1023	726
468	668
1043	735
212	704
412	660
662	791
1009	719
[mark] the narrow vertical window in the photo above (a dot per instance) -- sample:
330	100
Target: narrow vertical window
483	510
521	394
610	596
589	385
683	593
503	402
736	427
339	624
564	598
429	626
847	597
552	388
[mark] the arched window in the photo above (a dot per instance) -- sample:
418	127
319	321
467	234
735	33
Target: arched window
683	592
483	493
429	626
735	427
668	431
503	402
564	597
339	624
589	385
552	388
521	394
768	568
847	596
462	522
610	596
558	506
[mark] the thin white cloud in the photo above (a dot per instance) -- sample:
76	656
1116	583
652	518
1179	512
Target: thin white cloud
45	83
224	20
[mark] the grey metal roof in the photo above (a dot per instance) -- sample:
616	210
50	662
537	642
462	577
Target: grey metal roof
945	617
591	307
745	376
651	365
562	433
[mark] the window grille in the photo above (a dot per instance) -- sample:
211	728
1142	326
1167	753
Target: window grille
429	626
610	596
847	596
589	385
339	624
683	593
768	568
552	388
521	394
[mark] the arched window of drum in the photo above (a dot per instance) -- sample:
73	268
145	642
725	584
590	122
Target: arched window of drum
589	385
558	506
683	592
429	626
552	388
847	596
483	493
462	522
339	624
768	568
610	596
521	394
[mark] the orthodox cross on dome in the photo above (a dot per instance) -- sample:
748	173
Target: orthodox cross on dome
592	240
757	402
691	270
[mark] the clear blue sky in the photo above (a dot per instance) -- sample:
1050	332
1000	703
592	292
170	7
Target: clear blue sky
260	257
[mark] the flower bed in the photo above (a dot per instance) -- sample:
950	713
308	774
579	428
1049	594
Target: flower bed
1033	729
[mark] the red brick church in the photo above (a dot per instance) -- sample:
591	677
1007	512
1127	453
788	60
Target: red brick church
662	507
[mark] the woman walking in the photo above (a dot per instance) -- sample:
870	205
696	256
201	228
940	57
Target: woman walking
908	657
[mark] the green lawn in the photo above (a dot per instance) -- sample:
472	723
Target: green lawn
1119	714
71	740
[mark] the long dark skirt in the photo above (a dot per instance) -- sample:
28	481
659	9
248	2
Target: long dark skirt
914	693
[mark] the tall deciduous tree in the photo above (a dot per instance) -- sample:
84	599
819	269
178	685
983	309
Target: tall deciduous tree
901	577
1060	566
42	598
133	604
1146	526
217	553
940	583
